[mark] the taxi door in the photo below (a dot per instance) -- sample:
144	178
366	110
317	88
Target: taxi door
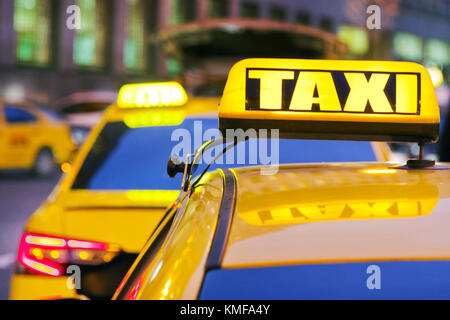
20	133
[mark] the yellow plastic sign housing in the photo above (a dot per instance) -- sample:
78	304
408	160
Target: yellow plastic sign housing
151	118
149	95
332	100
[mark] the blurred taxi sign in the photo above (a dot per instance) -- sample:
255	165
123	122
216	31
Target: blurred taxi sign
330	99
148	95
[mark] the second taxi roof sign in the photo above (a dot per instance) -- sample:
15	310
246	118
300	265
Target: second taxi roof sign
330	99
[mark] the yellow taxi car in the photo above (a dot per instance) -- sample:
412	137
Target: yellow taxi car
372	230
111	197
32	138
116	192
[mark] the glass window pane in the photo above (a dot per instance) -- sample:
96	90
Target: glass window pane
303	18
183	11
277	14
119	144
356	39
326	24
218	8
177	14
408	46
32	20
173	66
249	10
437	52
90	40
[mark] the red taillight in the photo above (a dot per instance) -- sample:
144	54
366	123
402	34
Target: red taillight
132	294
50	255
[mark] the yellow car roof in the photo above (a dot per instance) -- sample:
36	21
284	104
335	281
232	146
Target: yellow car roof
339	213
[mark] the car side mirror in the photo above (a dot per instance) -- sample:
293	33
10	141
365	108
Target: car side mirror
174	166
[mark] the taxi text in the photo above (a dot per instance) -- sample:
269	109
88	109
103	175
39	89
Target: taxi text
332	91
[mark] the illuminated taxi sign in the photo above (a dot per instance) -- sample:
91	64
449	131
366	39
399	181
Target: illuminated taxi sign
326	99
147	95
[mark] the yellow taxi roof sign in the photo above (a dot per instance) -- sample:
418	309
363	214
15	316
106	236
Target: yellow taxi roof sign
332	99
148	95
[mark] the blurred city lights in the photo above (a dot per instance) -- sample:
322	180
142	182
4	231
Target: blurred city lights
436	76
14	93
66	167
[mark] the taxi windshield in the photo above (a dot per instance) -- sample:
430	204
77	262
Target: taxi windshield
147	149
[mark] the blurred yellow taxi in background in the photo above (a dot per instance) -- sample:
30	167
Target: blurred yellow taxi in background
112	197
32	137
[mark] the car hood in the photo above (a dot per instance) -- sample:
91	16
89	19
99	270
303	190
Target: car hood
125	218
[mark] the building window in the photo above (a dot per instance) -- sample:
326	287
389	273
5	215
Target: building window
277	13
134	50
326	24
437	53
90	41
249	10
173	67
303	18
408	46
183	11
355	38
218	8
151	27
32	19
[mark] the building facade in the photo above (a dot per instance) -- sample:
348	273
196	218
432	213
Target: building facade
42	52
